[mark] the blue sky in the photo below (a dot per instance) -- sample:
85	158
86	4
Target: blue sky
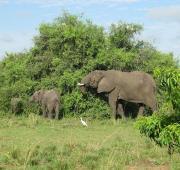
19	19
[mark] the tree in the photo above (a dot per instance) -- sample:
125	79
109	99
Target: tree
122	35
68	48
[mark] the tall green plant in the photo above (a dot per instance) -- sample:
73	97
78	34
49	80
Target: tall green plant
169	85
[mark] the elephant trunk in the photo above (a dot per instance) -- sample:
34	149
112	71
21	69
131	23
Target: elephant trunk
82	87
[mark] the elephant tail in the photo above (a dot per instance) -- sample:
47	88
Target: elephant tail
155	92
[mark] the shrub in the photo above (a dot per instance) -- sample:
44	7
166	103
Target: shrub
170	135
163	129
168	81
64	51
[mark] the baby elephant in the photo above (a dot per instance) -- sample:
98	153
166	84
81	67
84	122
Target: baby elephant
49	101
16	105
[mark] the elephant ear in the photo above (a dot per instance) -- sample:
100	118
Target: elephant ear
105	85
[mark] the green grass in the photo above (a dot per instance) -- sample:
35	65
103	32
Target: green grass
37	143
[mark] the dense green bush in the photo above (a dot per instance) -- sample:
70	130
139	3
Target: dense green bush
164	128
169	85
67	49
152	126
170	135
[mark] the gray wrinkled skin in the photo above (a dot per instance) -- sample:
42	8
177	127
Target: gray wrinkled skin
49	101
138	87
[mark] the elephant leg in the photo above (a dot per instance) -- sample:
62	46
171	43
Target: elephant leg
50	115
57	112
44	111
120	110
50	110
113	103
141	110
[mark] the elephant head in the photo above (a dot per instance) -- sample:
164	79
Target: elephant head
97	79
37	96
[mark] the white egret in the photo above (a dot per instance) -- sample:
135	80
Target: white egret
83	122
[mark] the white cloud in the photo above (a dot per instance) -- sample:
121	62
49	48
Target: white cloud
164	37
2	2
15	42
6	39
166	29
166	13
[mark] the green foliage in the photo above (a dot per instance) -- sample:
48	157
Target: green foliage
150	59
169	84
88	105
152	126
163	129
70	38
170	135
122	35
67	49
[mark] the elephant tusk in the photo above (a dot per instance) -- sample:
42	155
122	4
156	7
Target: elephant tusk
80	84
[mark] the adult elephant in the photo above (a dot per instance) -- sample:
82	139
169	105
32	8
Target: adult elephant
137	87
49	101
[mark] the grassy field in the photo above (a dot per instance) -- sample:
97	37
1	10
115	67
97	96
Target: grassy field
37	143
